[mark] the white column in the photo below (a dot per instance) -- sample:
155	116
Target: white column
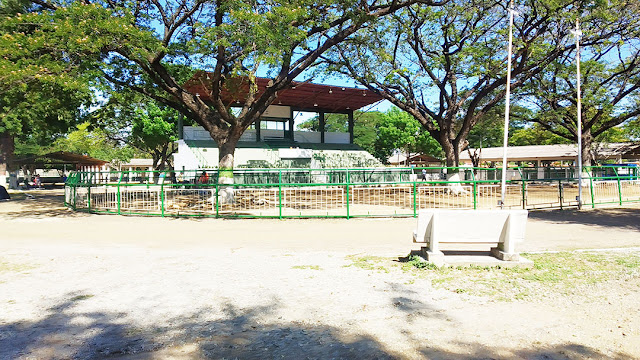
540	169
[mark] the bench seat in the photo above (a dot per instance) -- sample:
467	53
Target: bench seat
497	231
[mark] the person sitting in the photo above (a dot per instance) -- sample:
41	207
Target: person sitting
204	178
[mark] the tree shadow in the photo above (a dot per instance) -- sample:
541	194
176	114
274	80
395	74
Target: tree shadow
625	218
474	351
40	204
230	333
69	333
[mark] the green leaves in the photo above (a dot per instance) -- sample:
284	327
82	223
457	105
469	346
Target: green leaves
398	130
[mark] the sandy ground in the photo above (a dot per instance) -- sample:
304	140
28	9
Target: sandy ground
74	285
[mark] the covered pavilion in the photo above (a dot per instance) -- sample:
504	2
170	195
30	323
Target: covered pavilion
63	161
274	139
300	96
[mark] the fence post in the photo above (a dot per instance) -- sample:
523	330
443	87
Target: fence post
524	188
162	198
619	186
475	194
218	194
593	199
280	193
118	196
415	213
560	193
348	183
475	188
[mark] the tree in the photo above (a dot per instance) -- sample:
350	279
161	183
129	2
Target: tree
41	91
92	142
610	77
533	134
143	46
398	130
632	127
489	131
131	119
457	53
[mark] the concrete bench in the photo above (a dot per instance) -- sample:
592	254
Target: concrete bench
497	231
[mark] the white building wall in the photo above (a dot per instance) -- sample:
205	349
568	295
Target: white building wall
311	137
195	158
184	158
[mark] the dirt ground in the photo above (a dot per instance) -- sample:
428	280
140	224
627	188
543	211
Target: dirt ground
74	285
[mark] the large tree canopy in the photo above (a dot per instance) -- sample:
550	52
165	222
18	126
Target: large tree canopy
131	119
610	78
446	66
41	90
145	46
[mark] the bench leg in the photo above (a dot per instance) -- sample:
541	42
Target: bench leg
434	257
503	255
506	247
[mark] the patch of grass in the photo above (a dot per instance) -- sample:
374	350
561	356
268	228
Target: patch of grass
564	273
417	262
81	297
368	262
307	267
554	274
7	267
629	262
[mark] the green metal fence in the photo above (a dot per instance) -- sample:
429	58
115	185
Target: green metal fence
343	193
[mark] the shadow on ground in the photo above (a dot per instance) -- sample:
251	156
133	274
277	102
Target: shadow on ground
625	218
69	333
38	204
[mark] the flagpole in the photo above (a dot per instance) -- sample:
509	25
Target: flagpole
506	110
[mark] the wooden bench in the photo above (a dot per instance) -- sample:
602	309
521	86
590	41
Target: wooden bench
497	231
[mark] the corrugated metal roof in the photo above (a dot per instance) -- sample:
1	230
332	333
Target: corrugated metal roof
300	95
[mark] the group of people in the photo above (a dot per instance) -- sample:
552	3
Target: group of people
33	182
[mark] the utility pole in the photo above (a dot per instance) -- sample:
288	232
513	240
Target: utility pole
577	33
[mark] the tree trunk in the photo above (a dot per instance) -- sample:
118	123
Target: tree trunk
225	169
452	157
587	142
6	156
449	151
226	157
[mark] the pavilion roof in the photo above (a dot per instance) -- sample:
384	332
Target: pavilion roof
300	95
60	157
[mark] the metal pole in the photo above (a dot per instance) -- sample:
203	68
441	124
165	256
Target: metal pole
506	110
577	33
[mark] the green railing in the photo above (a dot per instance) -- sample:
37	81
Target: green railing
344	193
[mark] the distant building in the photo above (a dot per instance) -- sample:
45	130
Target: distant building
560	154
417	160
